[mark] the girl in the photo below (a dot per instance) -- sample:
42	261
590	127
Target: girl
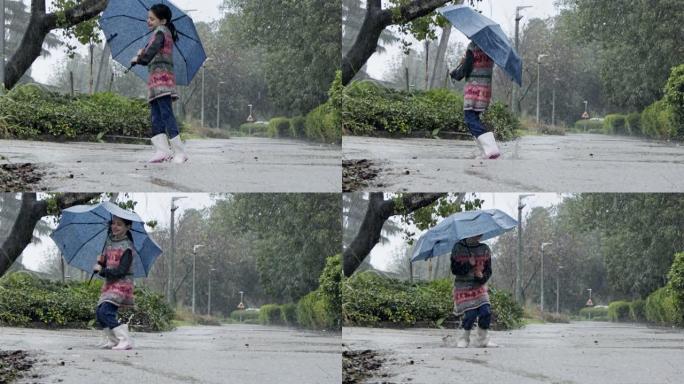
158	57
478	69
471	262
115	266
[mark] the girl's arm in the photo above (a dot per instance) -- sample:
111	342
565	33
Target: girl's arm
459	267
151	51
487	271
122	269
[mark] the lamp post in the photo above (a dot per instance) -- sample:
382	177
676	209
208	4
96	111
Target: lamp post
518	17
204	69
542	276
218	105
558	289
2	47
538	76
172	268
250	118
194	253
518	262
586	103
209	299
553	103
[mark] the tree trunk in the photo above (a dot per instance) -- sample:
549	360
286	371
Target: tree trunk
40	24
375	21
439	67
379	210
30	213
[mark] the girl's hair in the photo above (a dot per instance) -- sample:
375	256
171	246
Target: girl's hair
163	12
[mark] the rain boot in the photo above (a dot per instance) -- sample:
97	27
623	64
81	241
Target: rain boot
109	339
463	339
124	338
489	147
161	144
482	340
179	156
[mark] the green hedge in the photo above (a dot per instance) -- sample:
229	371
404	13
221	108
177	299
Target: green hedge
27	301
320	309
637	311
618	311
298	126
254	129
279	127
676	285
615	124
270	314
251	317
594	313
658	121
674	97
29	111
289	313
660	307
592	126
633	121
370	299
369	107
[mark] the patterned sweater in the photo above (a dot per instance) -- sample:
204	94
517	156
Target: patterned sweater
118	286
158	57
478	88
470	292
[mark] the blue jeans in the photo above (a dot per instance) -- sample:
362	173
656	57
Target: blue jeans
483	314
106	315
472	120
163	119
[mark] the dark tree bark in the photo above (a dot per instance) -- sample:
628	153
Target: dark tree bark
375	21
30	213
40	24
379	210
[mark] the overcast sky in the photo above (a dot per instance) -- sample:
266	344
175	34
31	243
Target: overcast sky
383	254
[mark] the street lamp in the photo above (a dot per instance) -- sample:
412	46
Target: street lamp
542	276
518	17
518	262
204	69
250	118
194	253
218	105
558	289
2	47
209	300
172	268
538	76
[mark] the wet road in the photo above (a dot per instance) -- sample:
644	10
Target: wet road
234	165
227	354
582	352
571	163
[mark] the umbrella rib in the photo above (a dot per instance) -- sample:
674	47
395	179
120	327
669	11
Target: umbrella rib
131	43
66	225
189	37
128	16
143	4
83	244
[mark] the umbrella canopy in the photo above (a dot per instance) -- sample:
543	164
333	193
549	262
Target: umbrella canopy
488	35
83	231
124	23
442	238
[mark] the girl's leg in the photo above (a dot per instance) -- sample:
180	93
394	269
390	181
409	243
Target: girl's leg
467	323
159	139
107	313
484	316
172	129
472	120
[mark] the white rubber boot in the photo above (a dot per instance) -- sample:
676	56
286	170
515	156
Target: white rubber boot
463	340
124	338
179	156
482	340
489	147
161	144
109	339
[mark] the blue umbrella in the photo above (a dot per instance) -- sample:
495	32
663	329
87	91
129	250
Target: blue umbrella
124	23
441	239
83	231
488	35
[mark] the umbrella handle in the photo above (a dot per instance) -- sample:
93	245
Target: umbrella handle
91	277
129	69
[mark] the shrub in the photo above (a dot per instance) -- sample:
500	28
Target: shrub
633	121
270	314
27	301
618	311
674	97
289	312
30	111
251	317
330	288
369	299
254	129
676	285
658	121
298	126
279	127
594	313
660	307
615	124
323	124
312	312
637	310
592	126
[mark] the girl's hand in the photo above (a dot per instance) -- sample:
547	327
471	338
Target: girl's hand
472	261
100	259
97	268
140	52
478	274
134	60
